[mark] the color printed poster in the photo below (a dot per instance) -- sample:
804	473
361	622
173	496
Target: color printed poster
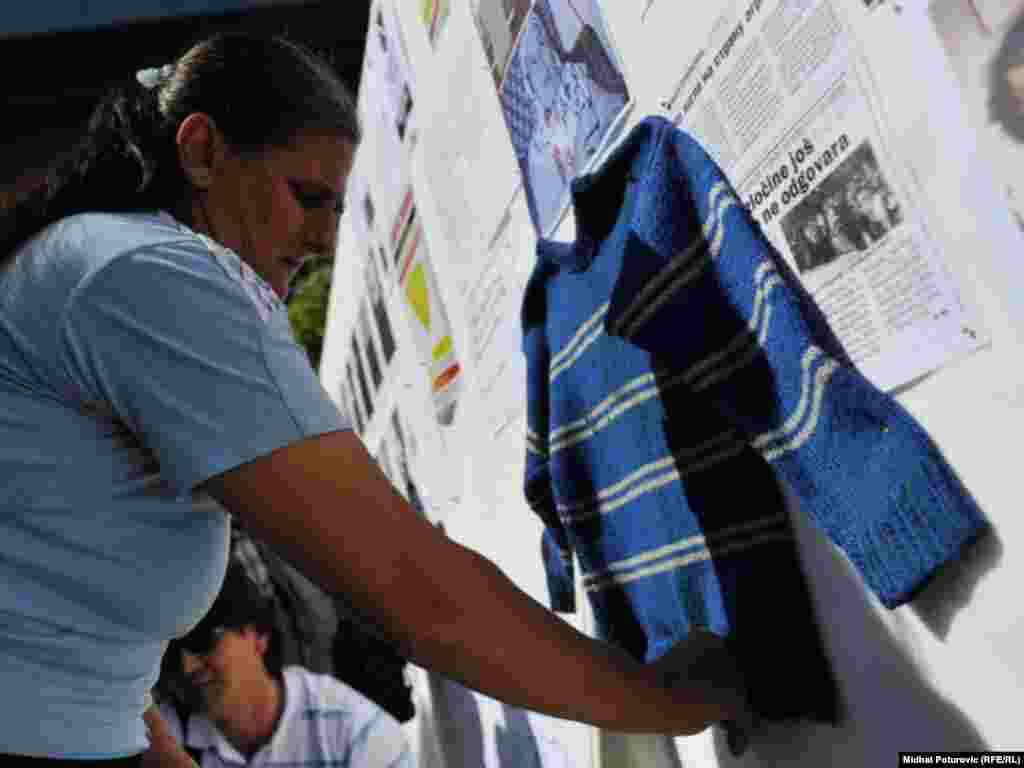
386	104
425	310
563	92
434	14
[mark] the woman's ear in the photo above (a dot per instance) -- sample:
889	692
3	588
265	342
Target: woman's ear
201	149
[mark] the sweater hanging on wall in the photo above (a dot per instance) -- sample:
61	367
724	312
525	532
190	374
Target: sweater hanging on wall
676	372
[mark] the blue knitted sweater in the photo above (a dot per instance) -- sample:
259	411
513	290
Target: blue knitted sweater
670	355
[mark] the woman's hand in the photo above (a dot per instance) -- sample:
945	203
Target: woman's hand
164	751
324	505
703	662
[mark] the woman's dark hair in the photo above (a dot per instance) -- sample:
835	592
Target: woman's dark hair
1003	107
259	91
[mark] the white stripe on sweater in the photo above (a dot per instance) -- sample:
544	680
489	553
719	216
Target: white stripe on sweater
582	347
797	416
726	202
589	323
653	466
821	378
612	415
616	495
581	423
679	562
689	542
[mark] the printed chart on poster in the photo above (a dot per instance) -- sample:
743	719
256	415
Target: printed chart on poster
425	310
985	45
562	89
784	100
434	15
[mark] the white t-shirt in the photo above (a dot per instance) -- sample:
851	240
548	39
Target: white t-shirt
324	723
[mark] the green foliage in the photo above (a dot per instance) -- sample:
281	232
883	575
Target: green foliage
307	309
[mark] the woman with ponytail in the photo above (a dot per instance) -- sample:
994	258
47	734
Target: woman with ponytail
149	382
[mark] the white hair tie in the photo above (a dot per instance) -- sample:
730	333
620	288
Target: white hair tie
154	77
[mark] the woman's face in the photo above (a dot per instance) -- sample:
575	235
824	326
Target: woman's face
279	206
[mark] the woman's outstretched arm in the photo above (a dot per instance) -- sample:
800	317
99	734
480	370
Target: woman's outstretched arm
325	505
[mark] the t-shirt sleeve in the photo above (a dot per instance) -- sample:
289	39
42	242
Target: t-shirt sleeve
538	487
189	360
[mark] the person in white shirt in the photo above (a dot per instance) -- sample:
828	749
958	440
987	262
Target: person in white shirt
240	707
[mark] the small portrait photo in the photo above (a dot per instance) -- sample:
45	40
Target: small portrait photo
850	211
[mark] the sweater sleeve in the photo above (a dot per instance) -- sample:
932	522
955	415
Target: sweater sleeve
538	486
703	294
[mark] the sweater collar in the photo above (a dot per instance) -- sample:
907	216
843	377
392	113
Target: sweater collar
597	197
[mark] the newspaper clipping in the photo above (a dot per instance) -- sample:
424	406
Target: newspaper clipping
786	103
492	301
387	108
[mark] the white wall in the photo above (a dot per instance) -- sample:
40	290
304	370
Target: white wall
942	673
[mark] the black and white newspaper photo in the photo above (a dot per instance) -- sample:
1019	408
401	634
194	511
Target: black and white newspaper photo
850	211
